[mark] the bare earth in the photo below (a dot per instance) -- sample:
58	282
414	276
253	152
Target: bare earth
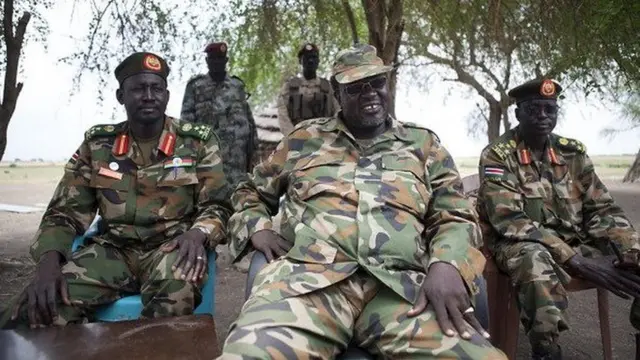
17	230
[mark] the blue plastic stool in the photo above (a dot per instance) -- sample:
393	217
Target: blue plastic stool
130	307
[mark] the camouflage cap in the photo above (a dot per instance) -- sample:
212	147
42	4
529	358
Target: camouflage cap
358	63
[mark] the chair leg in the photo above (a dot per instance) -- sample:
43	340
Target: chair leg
605	329
503	313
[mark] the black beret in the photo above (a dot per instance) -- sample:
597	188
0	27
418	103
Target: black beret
308	48
536	89
142	62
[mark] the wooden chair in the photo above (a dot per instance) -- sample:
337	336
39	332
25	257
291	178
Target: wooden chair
504	319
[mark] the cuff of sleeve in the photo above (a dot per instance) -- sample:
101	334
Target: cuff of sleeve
214	232
470	266
560	250
240	243
53	239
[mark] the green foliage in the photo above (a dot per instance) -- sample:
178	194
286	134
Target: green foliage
270	33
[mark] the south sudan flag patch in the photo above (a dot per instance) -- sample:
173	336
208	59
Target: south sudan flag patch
494	172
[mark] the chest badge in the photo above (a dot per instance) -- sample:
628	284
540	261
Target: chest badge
114	166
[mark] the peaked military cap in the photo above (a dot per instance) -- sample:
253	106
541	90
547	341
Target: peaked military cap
217	49
357	63
536	89
308	48
142	62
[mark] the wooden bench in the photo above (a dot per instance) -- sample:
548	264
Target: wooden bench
185	337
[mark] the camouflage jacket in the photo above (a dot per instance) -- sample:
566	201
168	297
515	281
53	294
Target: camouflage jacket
301	99
223	106
141	206
393	207
559	202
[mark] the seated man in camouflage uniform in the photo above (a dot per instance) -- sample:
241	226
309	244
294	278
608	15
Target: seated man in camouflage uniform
378	240
160	189
547	215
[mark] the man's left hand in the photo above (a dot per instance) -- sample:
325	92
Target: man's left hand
192	257
444	289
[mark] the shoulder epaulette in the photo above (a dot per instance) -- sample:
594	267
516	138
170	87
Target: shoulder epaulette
503	147
101	130
416	126
195	78
233	77
325	85
294	82
571	145
198	131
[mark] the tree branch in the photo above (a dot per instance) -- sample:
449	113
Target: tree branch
463	76
7	23
352	21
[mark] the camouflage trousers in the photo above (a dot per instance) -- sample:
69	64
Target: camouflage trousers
101	274
540	282
358	310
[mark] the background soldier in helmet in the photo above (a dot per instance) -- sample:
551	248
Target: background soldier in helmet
307	96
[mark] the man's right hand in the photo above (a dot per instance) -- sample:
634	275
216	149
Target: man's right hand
271	244
41	295
603	273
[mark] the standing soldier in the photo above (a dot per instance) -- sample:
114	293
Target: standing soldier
220	101
305	97
550	218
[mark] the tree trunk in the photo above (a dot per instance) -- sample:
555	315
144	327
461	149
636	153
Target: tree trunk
13	42
634	172
495	118
386	25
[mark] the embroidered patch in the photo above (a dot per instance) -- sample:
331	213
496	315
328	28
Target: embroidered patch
178	162
110	173
493	171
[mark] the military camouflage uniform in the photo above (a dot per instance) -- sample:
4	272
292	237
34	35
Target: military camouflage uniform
538	215
301	99
223	106
145	200
365	219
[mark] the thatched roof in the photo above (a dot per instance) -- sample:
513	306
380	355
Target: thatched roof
267	124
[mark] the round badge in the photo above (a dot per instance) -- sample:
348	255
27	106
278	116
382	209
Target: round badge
548	88
309	47
563	141
177	161
512	143
109	128
186	127
223	48
114	166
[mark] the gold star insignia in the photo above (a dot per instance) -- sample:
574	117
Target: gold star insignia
186	127
563	141
109	128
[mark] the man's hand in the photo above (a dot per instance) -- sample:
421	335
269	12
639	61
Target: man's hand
41	295
192	257
630	261
271	244
603	273
443	287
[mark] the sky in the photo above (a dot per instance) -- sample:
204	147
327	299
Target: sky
49	124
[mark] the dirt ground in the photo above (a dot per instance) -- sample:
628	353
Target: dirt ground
581	342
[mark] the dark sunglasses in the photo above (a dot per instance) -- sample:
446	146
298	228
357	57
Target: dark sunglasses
535	109
360	87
